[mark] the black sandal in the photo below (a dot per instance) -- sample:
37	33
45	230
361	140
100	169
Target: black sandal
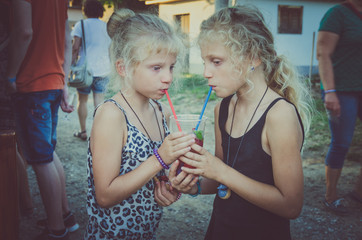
336	206
80	134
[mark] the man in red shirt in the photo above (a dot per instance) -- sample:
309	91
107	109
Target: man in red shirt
39	63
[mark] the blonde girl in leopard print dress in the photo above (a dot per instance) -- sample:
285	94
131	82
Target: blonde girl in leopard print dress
130	142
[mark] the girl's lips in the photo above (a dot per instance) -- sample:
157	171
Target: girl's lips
163	90
212	86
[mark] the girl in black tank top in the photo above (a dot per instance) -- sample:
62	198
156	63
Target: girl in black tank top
256	172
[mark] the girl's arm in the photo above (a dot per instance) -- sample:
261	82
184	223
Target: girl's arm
282	139
164	194
109	134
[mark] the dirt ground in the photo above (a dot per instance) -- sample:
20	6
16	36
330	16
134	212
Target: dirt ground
188	218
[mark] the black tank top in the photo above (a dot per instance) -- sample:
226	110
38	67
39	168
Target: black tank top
236	218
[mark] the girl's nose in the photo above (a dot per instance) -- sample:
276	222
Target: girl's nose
168	76
207	73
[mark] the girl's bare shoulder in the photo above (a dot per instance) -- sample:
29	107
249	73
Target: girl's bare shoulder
109	112
282	113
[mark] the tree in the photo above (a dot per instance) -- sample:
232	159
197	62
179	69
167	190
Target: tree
134	5
115	3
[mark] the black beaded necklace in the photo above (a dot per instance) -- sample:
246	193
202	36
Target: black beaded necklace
144	128
223	191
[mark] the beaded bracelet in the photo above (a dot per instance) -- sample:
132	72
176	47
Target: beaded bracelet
163	164
198	190
12	80
330	90
178	196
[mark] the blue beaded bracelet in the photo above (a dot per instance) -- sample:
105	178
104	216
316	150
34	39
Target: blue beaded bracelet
12	80
330	90
198	190
163	164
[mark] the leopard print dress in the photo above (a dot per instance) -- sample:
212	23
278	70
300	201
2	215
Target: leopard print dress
138	216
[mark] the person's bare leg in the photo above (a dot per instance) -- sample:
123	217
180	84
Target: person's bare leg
332	177
60	169
82	111
97	99
50	187
25	200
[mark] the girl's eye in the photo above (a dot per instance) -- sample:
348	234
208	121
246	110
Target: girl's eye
216	62
172	67
156	68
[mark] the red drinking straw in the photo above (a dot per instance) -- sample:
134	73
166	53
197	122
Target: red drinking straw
173	110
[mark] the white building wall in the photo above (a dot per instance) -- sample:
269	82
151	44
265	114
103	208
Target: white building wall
199	11
297	47
74	15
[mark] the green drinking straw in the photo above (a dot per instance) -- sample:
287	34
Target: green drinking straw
203	108
173	110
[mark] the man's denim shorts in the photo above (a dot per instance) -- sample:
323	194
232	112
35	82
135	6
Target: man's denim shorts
98	86
36	116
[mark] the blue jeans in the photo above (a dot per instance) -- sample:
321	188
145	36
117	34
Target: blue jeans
342	127
36	116
98	86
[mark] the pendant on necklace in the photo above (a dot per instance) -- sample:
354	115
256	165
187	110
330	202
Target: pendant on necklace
223	191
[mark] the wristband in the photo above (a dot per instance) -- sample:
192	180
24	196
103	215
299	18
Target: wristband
12	80
330	90
163	164
198	190
178	196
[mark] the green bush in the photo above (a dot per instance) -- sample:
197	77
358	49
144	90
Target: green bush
194	84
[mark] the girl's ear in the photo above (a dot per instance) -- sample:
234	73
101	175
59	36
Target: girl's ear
256	62
120	68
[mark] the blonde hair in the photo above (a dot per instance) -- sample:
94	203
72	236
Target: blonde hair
136	36
243	32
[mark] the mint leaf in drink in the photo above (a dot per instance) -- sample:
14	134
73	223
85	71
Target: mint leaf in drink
199	134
